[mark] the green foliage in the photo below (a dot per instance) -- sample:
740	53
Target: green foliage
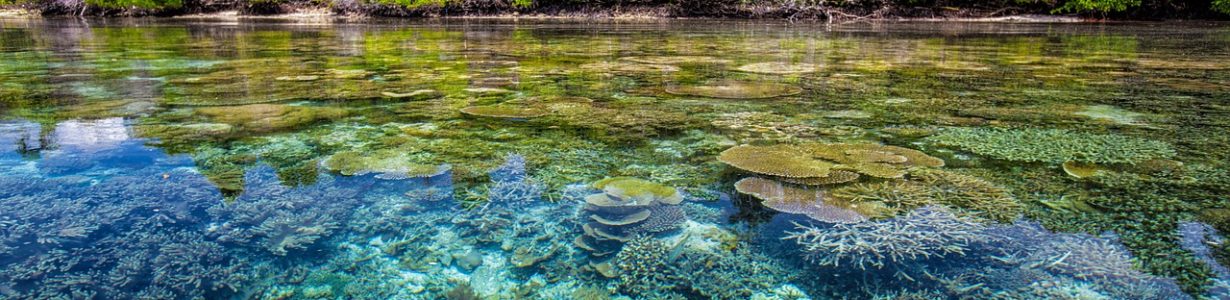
150	4
1221	6
414	3
1101	6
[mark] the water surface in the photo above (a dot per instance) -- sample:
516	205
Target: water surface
173	159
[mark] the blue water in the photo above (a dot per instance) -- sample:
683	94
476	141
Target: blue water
166	162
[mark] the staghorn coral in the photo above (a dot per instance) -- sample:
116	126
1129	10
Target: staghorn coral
1103	261
510	185
280	219
1054	146
767	126
926	232
1199	238
133	234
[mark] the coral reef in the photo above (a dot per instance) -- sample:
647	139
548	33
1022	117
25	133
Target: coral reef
812	203
926	232
934	186
677	60
1054	146
818	164
736	90
779	68
269	117
627	207
504	112
387	163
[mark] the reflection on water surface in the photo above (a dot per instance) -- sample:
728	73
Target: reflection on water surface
698	160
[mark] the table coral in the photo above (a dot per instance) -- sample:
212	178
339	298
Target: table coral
812	203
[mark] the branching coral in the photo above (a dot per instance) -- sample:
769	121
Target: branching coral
923	233
1052	145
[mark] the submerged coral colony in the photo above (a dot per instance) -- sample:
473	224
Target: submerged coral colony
430	176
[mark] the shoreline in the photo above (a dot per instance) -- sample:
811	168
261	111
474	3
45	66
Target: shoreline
327	15
321	14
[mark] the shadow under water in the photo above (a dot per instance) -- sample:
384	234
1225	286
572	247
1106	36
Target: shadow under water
172	159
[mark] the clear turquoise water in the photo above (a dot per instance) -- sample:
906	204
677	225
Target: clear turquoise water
177	159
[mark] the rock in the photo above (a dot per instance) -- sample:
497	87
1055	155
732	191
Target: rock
417	95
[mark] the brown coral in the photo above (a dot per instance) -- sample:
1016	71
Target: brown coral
504	111
815	164
736	90
811	203
779	68
778	160
934	186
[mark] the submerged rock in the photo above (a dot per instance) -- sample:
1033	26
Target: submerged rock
737	90
779	68
416	95
504	111
677	60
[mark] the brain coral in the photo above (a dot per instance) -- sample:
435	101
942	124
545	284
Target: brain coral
1052	145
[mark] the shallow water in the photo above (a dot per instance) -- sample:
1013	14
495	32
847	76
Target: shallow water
646	160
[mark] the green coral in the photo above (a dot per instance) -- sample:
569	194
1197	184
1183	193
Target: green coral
934	186
392	162
636	188
1052	145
